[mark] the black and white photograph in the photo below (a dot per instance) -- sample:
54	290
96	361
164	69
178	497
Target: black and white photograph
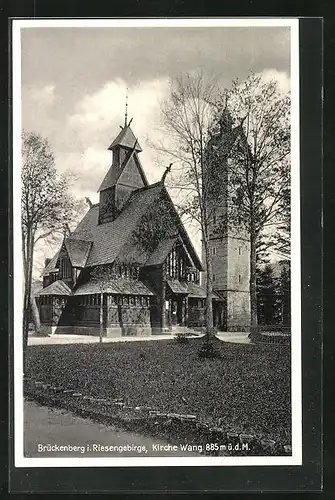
156	242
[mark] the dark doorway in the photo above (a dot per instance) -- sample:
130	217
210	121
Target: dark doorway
219	316
176	311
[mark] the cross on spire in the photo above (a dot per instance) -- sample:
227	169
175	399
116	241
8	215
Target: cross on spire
126	113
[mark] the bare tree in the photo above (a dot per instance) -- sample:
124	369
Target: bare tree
188	116
259	173
46	205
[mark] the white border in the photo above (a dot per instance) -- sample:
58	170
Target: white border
296	458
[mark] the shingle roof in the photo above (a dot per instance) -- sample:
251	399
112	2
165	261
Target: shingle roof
192	290
78	251
196	291
118	286
161	252
56	288
110	178
126	139
110	237
93	244
177	286
115	172
51	267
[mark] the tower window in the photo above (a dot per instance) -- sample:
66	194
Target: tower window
213	277
239	278
214	251
239	250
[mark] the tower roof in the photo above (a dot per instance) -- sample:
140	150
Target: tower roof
126	139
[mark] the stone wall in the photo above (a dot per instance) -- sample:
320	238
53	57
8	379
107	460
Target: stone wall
238	310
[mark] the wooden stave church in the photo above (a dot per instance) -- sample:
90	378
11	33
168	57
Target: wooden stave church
151	288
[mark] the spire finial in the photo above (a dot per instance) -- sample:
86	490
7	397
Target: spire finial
126	113
167	170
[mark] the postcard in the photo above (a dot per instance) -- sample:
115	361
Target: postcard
156	206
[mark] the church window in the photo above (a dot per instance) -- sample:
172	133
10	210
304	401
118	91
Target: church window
65	268
239	250
213	277
214	251
181	267
239	278
173	262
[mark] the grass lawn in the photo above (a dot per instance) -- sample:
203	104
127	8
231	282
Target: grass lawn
247	390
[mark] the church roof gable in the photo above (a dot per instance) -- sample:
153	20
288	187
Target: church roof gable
56	288
127	139
119	174
78	251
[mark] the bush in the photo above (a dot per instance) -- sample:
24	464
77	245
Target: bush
181	338
208	351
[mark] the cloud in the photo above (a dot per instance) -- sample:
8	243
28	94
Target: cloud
95	122
44	95
87	169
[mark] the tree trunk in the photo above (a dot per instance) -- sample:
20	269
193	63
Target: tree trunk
101	317
209	293
35	314
29	253
253	290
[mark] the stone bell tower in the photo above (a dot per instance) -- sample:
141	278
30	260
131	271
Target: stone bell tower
229	246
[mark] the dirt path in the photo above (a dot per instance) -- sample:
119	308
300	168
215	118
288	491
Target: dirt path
49	426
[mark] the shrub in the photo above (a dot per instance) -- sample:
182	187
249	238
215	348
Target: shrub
208	351
181	338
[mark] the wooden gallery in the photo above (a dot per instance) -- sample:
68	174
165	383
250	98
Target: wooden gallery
130	251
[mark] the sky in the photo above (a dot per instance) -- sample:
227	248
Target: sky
74	81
